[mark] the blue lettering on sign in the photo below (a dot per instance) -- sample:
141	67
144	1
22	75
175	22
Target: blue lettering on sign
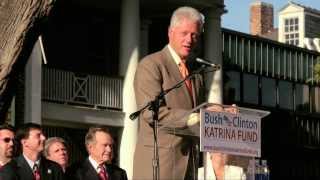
236	121
244	123
212	119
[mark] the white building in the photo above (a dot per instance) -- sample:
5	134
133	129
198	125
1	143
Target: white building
299	25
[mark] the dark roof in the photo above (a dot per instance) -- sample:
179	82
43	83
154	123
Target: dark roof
309	9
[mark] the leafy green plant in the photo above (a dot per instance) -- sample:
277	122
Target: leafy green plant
316	70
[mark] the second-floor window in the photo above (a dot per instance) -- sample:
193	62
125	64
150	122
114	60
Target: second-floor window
291	31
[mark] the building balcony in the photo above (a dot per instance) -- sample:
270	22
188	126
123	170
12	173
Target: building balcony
92	91
257	55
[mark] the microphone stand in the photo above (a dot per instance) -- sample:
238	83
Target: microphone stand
154	106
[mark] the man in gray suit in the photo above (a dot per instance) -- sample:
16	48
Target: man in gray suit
160	71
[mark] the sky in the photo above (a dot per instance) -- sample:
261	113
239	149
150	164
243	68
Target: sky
237	18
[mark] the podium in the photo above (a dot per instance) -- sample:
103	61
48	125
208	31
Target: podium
228	142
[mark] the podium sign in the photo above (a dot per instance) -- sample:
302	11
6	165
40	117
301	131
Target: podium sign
236	134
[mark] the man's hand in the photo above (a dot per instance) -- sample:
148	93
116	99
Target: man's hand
193	119
218	108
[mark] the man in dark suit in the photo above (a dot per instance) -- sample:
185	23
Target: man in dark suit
97	166
7	172
6	152
6	144
158	72
56	149
30	165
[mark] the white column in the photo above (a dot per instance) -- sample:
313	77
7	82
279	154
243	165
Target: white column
129	55
32	106
213	52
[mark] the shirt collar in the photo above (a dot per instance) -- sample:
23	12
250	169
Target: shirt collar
94	164
174	55
30	162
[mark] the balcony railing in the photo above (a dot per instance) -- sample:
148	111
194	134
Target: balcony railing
268	58
82	89
307	131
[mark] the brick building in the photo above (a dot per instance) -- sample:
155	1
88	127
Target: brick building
261	18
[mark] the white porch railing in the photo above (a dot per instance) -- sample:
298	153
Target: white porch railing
90	90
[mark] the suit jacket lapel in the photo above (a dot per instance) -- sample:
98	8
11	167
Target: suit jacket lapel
45	171
195	89
194	99
24	169
90	172
112	172
173	67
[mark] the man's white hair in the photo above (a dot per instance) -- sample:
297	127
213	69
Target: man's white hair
186	12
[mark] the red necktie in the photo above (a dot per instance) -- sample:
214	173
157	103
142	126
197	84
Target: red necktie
184	72
102	173
36	172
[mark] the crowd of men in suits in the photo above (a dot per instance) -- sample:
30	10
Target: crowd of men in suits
25	154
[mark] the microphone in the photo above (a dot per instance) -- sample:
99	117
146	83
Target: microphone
206	63
134	115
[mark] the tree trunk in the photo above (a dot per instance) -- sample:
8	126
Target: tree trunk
21	22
